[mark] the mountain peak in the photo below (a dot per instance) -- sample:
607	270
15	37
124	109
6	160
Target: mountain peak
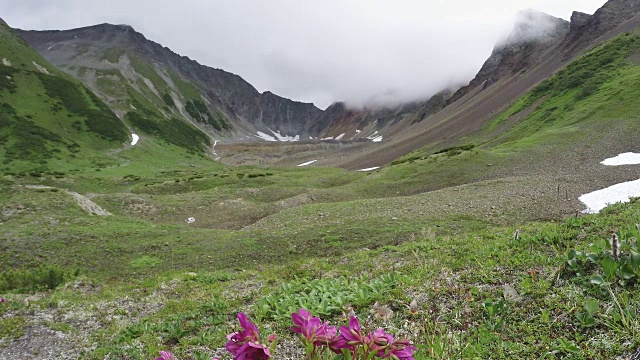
579	19
534	25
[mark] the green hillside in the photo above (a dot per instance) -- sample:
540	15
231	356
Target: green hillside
52	123
47	118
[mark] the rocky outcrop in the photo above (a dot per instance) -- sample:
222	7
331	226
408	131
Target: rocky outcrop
533	34
578	21
588	29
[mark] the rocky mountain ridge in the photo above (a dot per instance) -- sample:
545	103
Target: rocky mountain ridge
136	75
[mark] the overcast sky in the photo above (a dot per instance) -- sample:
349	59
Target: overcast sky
315	51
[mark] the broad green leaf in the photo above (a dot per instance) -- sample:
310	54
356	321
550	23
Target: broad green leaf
592	307
597	280
609	267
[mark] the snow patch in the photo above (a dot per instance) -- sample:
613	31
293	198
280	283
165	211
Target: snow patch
308	163
265	137
213	150
339	137
358	131
40	68
285	138
134	139
6	62
51	47
277	137
375	137
619	193
191	220
628	158
369	169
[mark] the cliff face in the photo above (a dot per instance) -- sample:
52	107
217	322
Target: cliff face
586	30
533	34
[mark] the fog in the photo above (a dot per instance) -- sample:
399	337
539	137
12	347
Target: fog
358	51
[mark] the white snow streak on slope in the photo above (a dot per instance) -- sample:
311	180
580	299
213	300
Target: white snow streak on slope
134	139
369	169
308	163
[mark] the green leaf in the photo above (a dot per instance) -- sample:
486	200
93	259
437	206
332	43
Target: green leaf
626	272
609	266
592	307
635	259
597	280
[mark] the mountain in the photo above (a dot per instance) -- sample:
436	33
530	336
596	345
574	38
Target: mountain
533	33
614	17
48	120
152	89
515	67
137	76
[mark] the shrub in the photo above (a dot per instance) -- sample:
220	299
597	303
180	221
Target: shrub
81	102
172	131
45	277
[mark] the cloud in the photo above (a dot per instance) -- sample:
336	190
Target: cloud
353	50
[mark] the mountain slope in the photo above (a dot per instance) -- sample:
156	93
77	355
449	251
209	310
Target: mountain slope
128	71
533	34
473	111
125	68
47	118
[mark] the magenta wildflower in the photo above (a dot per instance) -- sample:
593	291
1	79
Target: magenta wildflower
350	336
2	300
399	350
246	344
165	355
312	329
300	319
378	340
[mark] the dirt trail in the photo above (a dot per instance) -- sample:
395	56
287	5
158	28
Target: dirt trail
84	202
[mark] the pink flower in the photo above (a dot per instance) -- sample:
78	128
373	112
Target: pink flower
378	340
2	300
399	350
350	336
165	355
300	319
246	344
312	329
252	351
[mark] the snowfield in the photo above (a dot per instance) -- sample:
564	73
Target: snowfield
619	193
623	159
277	137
